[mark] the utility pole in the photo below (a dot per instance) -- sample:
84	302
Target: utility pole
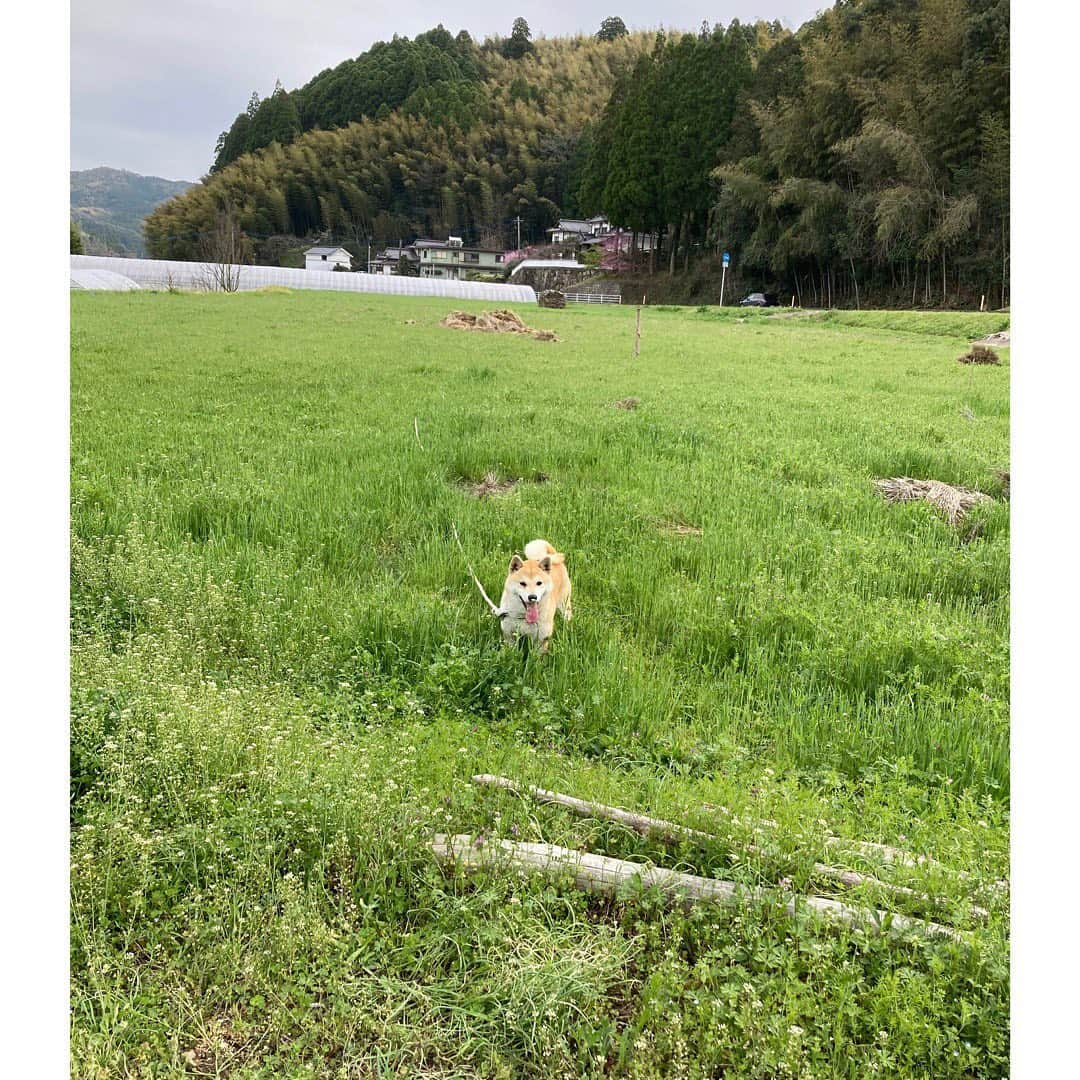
518	220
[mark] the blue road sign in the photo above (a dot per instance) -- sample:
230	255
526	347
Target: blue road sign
727	258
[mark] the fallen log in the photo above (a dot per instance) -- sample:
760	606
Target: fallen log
604	875
669	832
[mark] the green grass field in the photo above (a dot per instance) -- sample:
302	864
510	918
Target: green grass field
283	678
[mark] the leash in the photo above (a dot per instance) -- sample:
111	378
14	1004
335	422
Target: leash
500	615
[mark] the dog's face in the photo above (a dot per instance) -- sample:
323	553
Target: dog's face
529	580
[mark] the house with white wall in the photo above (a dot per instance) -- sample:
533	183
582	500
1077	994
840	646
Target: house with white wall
327	258
451	259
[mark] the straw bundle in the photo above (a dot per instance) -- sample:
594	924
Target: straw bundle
953	502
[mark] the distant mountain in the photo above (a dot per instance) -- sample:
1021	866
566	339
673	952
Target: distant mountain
110	204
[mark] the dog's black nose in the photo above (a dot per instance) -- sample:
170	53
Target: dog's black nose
532	598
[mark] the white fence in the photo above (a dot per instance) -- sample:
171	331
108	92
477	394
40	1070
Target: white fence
593	298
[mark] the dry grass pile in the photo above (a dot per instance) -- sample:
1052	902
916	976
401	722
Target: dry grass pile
490	484
552	298
953	502
501	321
980	354
680	528
1000	339
629	403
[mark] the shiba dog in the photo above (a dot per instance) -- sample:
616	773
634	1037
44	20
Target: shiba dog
535	587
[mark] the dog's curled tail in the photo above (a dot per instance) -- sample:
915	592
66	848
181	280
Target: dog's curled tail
541	549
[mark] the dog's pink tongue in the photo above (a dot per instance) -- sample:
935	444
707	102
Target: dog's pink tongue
532	613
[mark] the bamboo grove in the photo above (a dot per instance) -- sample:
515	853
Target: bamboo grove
863	159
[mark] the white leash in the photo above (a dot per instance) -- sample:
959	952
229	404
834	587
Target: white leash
494	610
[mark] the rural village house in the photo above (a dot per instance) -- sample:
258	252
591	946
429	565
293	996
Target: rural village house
451	259
388	261
327	258
598	233
577	229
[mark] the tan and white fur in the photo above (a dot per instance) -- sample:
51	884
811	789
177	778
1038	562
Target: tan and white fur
536	587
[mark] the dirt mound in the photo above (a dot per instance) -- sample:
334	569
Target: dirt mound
980	354
953	502
501	321
490	484
552	298
680	528
629	403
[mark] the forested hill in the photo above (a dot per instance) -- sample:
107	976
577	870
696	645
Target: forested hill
463	144
389	75
864	158
110	204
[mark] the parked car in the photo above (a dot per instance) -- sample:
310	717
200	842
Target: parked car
758	299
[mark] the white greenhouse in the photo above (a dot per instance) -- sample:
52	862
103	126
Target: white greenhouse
166	274
82	278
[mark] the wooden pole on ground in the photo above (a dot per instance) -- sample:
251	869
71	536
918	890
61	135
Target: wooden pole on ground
637	331
671	833
604	875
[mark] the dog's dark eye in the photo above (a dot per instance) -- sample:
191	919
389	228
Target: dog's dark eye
539	583
523	584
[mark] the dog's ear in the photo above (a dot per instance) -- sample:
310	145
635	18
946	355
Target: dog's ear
515	564
545	564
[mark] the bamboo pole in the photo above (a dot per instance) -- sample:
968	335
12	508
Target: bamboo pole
645	826
604	875
883	853
669	832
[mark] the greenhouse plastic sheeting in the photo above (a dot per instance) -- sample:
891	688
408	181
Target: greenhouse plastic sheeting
165	273
100	279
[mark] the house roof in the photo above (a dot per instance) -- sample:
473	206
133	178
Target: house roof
547	264
325	251
571	225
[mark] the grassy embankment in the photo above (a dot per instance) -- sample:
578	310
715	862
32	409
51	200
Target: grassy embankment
283	678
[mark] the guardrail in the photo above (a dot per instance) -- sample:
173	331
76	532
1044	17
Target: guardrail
593	298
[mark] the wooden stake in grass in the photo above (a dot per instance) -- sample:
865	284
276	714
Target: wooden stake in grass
604	875
637	332
416	428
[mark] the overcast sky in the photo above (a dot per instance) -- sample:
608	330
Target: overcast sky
154	82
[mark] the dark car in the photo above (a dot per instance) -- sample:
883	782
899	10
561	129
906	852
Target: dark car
758	299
